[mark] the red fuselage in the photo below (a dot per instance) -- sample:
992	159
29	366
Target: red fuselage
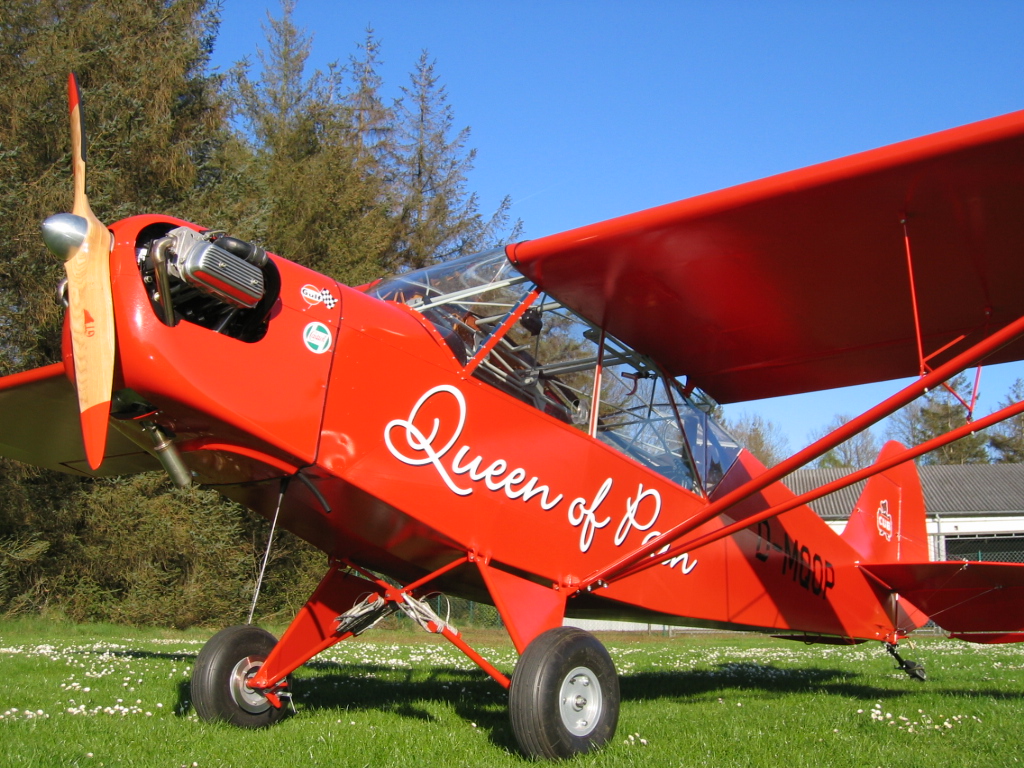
417	462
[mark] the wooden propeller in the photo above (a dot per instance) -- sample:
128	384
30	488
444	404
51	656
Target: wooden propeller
90	301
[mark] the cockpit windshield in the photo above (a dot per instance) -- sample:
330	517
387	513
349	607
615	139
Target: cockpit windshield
465	299
525	343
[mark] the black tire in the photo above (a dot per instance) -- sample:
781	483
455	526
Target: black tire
226	662
564	698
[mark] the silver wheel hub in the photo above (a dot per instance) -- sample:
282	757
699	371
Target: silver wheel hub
245	697
579	701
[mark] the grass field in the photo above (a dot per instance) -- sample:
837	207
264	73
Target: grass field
110	696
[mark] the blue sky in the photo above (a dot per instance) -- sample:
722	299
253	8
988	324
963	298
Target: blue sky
581	111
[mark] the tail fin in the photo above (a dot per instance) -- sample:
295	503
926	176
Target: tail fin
888	522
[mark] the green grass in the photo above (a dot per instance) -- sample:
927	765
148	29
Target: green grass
111	696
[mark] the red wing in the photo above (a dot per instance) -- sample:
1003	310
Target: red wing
39	424
799	282
962	598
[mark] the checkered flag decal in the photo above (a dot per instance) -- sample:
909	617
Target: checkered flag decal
328	298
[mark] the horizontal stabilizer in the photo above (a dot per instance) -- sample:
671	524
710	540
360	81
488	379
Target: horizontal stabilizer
968	599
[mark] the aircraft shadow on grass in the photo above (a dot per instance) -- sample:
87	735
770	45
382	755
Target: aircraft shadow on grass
350	688
182	656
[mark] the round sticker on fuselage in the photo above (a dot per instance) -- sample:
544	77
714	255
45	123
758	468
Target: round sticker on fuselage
311	294
317	337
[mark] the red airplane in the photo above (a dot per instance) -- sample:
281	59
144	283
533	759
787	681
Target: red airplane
529	427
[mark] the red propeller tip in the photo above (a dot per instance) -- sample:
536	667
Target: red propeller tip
94	432
74	95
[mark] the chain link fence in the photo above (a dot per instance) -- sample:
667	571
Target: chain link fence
1007	548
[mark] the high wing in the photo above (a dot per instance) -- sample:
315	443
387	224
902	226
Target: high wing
39	424
800	282
969	600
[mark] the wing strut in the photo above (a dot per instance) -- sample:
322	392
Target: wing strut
854	477
818	448
913	300
922	361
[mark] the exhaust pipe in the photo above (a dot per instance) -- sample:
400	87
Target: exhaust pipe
158	444
168	454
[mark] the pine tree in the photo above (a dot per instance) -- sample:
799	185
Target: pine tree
152	119
372	121
1007	438
438	218
308	167
311	189
935	414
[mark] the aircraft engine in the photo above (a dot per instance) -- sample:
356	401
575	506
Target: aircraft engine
219	282
212	266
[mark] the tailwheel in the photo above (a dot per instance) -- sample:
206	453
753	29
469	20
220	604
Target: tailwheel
912	668
564	698
220	680
915	670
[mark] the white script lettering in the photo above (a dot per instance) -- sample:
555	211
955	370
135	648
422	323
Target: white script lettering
493	475
579	513
629	519
421	443
672	562
421	446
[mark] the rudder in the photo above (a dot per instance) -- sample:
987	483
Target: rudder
888	521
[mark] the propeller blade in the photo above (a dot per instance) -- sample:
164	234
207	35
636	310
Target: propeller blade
90	302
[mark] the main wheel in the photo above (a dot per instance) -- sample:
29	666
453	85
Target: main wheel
564	698
220	680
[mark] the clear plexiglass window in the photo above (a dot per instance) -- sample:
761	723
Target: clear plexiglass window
528	345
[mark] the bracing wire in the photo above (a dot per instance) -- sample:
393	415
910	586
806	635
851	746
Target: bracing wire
266	551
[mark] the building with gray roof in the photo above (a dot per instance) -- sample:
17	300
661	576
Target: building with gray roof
974	511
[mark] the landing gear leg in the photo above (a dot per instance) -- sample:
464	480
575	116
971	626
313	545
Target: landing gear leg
912	668
564	698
